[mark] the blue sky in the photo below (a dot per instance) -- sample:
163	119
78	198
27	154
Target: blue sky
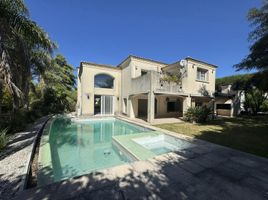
106	32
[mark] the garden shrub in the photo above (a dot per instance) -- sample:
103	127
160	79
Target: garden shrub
18	120
264	106
197	114
3	138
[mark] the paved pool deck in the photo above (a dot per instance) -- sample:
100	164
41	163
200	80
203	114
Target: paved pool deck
205	171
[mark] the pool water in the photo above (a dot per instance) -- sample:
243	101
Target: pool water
73	148
161	150
163	144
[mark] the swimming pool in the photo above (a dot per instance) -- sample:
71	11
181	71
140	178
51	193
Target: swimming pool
70	148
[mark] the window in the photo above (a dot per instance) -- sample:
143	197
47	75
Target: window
223	106
103	81
202	74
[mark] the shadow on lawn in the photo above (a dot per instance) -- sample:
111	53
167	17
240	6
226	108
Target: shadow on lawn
249	134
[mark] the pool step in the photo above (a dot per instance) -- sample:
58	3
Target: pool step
126	143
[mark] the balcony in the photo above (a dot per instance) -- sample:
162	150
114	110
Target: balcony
152	81
141	84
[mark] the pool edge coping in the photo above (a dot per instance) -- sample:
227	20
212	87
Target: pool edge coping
26	171
134	154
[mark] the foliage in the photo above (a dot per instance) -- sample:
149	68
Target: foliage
197	114
171	78
3	138
238	82
257	58
6	100
56	92
32	83
264	106
203	91
59	92
254	99
22	42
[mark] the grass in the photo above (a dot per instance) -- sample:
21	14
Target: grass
249	134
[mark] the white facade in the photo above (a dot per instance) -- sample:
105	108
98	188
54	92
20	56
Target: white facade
139	90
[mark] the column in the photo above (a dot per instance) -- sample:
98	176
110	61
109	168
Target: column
186	104
130	107
150	109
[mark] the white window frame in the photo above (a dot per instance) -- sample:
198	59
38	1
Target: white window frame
201	74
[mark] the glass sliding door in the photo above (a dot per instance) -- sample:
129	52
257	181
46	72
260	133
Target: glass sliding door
104	105
97	105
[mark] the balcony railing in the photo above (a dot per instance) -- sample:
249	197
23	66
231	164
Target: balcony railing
143	83
164	86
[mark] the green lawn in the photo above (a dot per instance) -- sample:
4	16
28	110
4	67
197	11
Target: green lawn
249	134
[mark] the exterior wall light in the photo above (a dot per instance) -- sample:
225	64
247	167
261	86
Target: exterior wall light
88	95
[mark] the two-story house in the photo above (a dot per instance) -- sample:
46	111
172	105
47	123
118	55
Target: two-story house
144	88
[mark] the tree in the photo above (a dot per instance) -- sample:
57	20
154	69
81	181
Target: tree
59	91
258	56
254	99
20	40
238	82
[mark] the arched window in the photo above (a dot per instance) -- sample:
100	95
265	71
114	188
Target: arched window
103	81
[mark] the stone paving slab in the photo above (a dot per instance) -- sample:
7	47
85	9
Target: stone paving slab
162	178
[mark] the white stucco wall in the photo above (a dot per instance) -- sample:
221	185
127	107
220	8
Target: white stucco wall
131	69
87	87
191	85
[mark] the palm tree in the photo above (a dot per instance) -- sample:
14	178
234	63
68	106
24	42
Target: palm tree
25	49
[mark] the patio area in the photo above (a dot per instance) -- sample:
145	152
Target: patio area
205	171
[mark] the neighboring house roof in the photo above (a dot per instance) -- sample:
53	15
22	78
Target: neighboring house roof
202	62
